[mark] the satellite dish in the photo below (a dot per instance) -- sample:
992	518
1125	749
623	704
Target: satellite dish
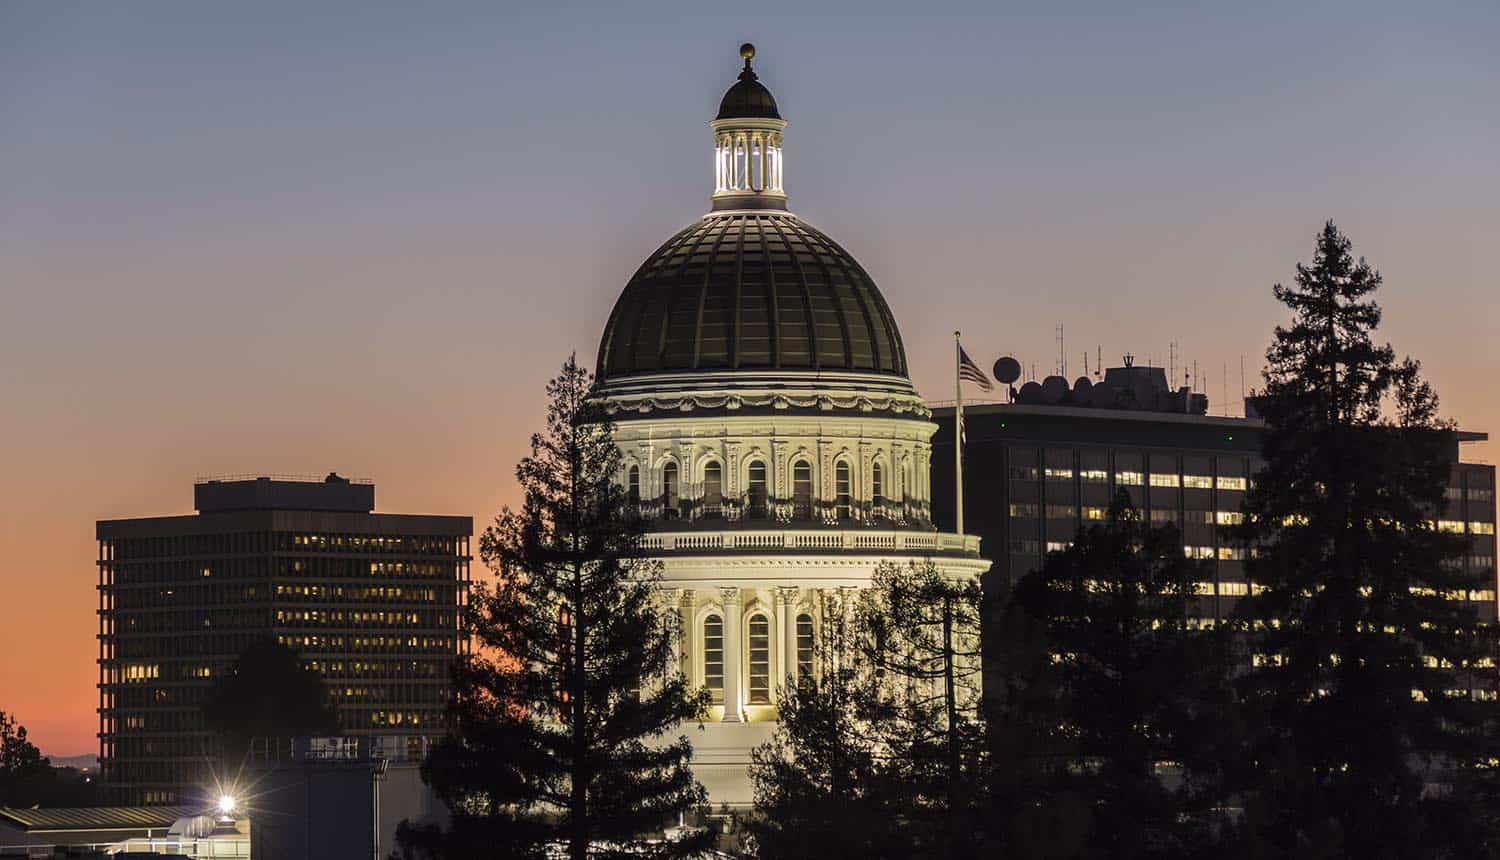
1030	394
1081	387
1054	389
1007	370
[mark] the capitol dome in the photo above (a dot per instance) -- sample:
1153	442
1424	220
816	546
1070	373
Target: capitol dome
750	288
753	290
770	439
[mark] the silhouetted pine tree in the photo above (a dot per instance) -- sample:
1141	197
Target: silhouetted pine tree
1363	636
559	719
919	631
816	788
1129	689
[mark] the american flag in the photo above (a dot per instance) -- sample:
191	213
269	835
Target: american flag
967	369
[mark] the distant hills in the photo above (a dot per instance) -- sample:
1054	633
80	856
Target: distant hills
88	761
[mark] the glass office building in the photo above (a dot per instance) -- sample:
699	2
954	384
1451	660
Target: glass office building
370	600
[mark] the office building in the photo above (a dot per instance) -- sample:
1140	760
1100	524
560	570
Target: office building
1038	468
370	600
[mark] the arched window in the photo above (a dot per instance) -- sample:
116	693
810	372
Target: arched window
633	488
713	658
877	489
804	646
713	490
842	491
802	490
760	660
757	491
669	492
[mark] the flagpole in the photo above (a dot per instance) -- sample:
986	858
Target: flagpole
958	435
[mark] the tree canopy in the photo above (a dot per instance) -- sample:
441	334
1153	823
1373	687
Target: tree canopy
561	720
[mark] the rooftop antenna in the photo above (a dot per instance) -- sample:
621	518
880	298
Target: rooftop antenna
1242	384
1171	359
1098	360
1085	362
1195	374
1224	386
1062	356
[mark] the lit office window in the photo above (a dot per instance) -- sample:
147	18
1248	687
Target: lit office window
1094	476
1226	483
1133	479
1160	479
1198	482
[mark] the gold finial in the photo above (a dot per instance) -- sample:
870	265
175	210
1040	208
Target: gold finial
747	52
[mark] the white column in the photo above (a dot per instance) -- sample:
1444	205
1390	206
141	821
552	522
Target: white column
786	604
733	611
671	602
687	643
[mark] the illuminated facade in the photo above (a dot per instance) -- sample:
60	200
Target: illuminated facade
370	600
770	432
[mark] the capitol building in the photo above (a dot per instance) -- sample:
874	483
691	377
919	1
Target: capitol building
770	433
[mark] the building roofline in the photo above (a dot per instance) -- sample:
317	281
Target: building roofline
945	410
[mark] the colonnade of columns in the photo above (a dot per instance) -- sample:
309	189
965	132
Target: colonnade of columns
734	605
748	161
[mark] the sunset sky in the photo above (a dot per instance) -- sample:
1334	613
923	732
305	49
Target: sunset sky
293	238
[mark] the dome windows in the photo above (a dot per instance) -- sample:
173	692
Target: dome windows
670	493
802	492
713	491
755	496
843	491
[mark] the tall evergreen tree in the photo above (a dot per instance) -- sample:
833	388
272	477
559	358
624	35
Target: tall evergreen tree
815	782
1128	687
560	719
1364	640
919	631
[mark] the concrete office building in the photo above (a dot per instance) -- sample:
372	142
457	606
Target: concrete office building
370	600
1034	471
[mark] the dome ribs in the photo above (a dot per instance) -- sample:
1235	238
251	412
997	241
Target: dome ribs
814	343
754	291
679	326
724	326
